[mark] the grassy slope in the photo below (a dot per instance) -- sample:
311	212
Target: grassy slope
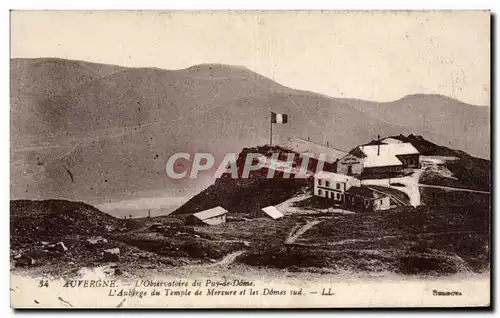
52	221
449	234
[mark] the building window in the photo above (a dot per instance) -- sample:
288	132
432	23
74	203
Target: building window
320	192
338	186
327	183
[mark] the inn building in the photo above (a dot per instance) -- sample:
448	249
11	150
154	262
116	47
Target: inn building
333	185
348	192
381	158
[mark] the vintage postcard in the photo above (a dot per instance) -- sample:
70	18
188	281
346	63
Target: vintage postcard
250	159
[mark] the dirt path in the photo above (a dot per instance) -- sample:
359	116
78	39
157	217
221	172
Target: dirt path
294	235
453	189
465	266
287	206
228	259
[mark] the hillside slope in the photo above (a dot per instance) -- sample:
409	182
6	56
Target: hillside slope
83	131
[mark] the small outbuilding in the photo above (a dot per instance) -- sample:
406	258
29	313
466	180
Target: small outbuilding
366	199
272	212
211	216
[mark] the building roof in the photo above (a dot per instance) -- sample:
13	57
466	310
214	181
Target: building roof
404	148
365	192
390	140
333	176
385	154
357	153
303	146
376	157
210	213
273	212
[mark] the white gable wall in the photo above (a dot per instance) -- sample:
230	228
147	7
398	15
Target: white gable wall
352	161
215	220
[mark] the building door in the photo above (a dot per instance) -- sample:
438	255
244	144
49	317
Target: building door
349	170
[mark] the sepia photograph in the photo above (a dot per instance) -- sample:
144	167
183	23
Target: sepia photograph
250	159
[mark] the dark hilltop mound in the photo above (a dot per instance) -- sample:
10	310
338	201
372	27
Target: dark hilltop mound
64	236
33	221
246	195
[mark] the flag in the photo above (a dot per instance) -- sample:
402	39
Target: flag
279	118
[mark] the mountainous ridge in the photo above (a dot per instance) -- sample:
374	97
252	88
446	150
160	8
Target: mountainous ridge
114	127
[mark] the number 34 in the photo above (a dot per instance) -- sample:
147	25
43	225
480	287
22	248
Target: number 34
43	283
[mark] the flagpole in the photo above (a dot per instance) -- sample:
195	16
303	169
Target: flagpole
271	130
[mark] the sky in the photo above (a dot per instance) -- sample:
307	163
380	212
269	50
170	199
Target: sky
379	56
